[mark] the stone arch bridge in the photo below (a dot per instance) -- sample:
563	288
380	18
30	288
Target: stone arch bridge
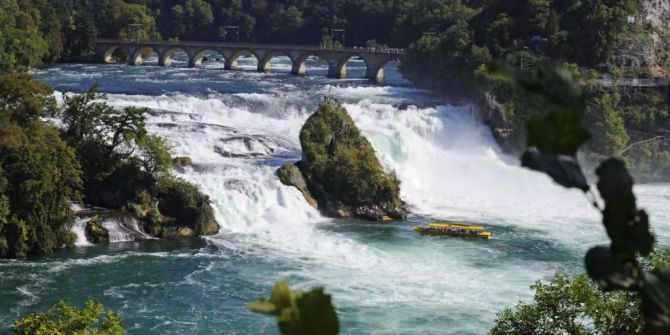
375	58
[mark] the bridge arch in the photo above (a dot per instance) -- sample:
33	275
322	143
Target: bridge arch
167	56
265	63
231	61
139	54
337	66
108	55
196	59
374	66
299	66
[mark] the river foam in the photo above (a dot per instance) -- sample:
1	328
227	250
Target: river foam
450	168
238	127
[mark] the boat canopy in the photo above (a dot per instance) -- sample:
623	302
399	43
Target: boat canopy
455	226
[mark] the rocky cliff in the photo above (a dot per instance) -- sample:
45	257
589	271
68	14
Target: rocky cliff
339	172
656	16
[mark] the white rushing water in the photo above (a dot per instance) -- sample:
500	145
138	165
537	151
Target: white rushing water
79	228
124	229
384	278
450	168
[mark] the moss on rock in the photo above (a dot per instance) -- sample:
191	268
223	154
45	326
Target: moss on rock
340	168
95	232
180	163
187	205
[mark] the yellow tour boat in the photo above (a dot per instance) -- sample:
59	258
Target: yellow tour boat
454	229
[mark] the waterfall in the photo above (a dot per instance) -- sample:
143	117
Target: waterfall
79	229
124	228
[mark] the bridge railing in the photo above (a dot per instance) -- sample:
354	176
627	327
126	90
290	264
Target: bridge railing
635	82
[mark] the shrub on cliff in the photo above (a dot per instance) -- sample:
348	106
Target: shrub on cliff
343	162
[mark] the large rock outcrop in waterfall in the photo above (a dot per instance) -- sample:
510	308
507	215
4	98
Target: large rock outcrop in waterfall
339	171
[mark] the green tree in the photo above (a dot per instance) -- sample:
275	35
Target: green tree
198	15
155	156
41	171
285	21
116	15
102	134
4	215
563	305
539	12
23	99
607	125
21	44
577	305
43	178
63	318
80	34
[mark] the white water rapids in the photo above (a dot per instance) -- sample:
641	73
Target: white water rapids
450	168
385	279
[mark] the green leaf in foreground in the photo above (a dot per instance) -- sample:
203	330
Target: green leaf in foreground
299	313
560	132
655	296
563	169
557	84
606	270
627	227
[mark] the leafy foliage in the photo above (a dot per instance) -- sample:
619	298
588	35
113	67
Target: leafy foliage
299	313
607	125
23	99
21	44
187	204
614	267
560	305
40	172
43	177
63	318
156	157
123	163
106	140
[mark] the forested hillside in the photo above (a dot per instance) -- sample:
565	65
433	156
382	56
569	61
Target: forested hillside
449	42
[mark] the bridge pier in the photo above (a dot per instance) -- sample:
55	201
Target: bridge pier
263	65
375	74
231	64
135	57
374	66
298	68
337	69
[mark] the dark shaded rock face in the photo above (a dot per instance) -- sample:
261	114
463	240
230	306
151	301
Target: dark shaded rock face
340	171
290	174
95	232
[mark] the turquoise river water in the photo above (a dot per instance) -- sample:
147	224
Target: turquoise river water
238	127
